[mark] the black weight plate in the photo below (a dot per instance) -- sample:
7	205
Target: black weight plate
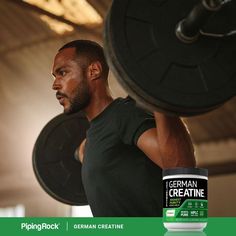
54	164
159	71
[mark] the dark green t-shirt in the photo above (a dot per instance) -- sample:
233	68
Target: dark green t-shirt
119	179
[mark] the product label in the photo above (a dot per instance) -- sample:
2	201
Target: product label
185	200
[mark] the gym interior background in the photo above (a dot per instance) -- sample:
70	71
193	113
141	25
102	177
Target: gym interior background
31	32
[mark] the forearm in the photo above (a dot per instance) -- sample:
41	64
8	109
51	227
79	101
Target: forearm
175	145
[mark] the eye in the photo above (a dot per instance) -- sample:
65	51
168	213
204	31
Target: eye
62	72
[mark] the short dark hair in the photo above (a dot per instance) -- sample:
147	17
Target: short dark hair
91	50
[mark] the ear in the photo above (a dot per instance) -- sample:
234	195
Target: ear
94	70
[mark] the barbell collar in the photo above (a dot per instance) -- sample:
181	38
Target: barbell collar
188	29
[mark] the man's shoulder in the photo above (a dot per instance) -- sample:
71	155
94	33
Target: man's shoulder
129	108
125	103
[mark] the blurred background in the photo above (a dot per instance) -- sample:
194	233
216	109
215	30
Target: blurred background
31	31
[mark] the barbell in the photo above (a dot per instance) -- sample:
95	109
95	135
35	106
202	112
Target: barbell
54	164
177	57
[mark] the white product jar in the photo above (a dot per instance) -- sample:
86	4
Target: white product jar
185	206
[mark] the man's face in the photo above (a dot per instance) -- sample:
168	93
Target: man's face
70	81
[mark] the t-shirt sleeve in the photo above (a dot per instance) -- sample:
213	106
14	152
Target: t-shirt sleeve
132	121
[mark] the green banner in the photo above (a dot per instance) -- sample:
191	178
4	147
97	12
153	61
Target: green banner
107	226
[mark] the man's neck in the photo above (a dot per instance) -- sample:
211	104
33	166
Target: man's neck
97	105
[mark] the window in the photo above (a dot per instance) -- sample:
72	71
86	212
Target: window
81	211
17	211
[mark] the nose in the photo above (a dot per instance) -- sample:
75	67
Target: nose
56	84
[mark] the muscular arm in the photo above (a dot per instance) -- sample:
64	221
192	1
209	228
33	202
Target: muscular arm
169	144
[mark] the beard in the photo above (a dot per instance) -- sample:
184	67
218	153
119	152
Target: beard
80	100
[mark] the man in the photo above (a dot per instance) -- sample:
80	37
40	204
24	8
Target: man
125	148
